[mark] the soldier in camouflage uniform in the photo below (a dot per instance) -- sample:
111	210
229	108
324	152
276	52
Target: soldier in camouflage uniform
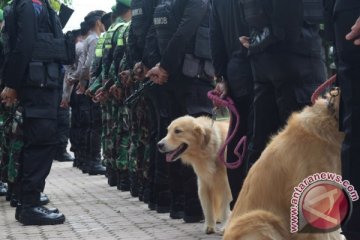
107	78
119	91
144	55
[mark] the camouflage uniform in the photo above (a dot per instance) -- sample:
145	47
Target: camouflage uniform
122	119
11	145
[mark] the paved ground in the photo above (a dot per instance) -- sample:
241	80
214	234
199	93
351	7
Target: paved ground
93	210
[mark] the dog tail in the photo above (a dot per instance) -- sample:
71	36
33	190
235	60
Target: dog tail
258	224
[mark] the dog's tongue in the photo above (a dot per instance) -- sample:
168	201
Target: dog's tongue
169	156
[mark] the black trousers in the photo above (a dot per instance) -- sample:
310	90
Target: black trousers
186	96
240	83
40	127
94	133
75	124
348	77
63	129
283	83
80	125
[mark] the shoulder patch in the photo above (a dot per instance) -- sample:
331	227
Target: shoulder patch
38	6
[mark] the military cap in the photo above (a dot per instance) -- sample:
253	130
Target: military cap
124	2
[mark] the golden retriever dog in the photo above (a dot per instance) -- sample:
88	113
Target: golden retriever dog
310	143
197	142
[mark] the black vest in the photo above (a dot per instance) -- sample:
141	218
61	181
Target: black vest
257	12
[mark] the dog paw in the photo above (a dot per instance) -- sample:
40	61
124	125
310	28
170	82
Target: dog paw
222	231
209	230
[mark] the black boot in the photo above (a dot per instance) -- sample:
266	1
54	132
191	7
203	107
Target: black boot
8	195
3	189
31	213
14	200
192	211
44	199
134	186
19	209
146	194
111	175
96	168
123	183
177	207
38	215
63	156
163	202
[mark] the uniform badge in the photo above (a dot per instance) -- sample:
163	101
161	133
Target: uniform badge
38	6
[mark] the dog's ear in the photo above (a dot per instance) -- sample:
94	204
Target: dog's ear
204	134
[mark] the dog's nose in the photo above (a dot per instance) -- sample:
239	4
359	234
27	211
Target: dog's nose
160	146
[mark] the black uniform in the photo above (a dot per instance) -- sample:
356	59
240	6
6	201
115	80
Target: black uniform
346	12
233	65
38	94
186	91
63	130
287	63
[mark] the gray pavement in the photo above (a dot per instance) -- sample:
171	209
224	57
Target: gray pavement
93	210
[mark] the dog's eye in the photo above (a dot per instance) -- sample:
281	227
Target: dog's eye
177	131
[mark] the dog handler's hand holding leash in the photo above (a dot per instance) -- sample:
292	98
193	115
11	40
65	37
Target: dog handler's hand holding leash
227	102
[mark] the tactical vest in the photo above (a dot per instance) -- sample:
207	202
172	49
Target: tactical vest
165	23
52	46
108	38
314	11
257	12
100	46
138	18
121	37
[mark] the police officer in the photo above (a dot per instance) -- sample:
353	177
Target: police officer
186	84
233	74
91	111
62	155
345	17
38	94
287	61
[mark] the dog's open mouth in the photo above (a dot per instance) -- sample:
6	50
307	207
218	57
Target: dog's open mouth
174	155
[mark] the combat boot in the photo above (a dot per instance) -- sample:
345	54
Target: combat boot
32	213
192	211
62	155
134	185
3	189
111	175
19	209
39	215
96	168
163	202
123	183
177	207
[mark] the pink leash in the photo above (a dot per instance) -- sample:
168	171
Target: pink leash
228	103
322	88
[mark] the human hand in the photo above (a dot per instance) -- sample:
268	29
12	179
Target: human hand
158	75
116	92
140	71
354	34
9	96
125	77
245	41
64	103
80	89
